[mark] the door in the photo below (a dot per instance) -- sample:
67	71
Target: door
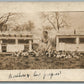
4	48
26	47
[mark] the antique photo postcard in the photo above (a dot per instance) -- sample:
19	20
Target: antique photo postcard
41	41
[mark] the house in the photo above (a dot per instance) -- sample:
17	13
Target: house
70	42
13	42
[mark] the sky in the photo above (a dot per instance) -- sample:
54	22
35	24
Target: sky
75	19
30	11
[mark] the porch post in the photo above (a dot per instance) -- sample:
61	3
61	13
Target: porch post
77	40
0	41
77	43
0	45
57	43
30	45
16	41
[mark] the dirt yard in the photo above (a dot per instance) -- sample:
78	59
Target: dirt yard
40	62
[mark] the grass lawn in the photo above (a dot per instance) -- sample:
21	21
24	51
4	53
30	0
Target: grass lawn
40	62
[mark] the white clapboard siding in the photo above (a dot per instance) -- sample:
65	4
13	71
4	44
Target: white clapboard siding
14	48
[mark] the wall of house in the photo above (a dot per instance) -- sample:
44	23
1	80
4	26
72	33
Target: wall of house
15	48
10	47
81	47
66	47
69	46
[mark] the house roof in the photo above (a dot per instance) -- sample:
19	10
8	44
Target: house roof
15	34
71	32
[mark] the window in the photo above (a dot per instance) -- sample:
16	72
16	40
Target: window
81	40
4	48
8	41
23	41
4	41
68	40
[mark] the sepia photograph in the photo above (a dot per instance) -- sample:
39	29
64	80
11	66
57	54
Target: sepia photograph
40	42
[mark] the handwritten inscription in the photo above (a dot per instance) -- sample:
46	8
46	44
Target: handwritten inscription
18	75
50	75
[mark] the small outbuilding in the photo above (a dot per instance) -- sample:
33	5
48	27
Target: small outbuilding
13	42
70	42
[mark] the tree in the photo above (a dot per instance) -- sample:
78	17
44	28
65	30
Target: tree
55	20
28	26
3	20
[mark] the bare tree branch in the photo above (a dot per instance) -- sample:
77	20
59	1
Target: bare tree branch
55	19
4	22
51	23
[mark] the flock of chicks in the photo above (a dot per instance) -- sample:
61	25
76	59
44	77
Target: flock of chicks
53	53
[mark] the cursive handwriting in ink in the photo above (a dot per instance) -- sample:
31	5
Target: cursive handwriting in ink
54	74
51	75
36	74
18	75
